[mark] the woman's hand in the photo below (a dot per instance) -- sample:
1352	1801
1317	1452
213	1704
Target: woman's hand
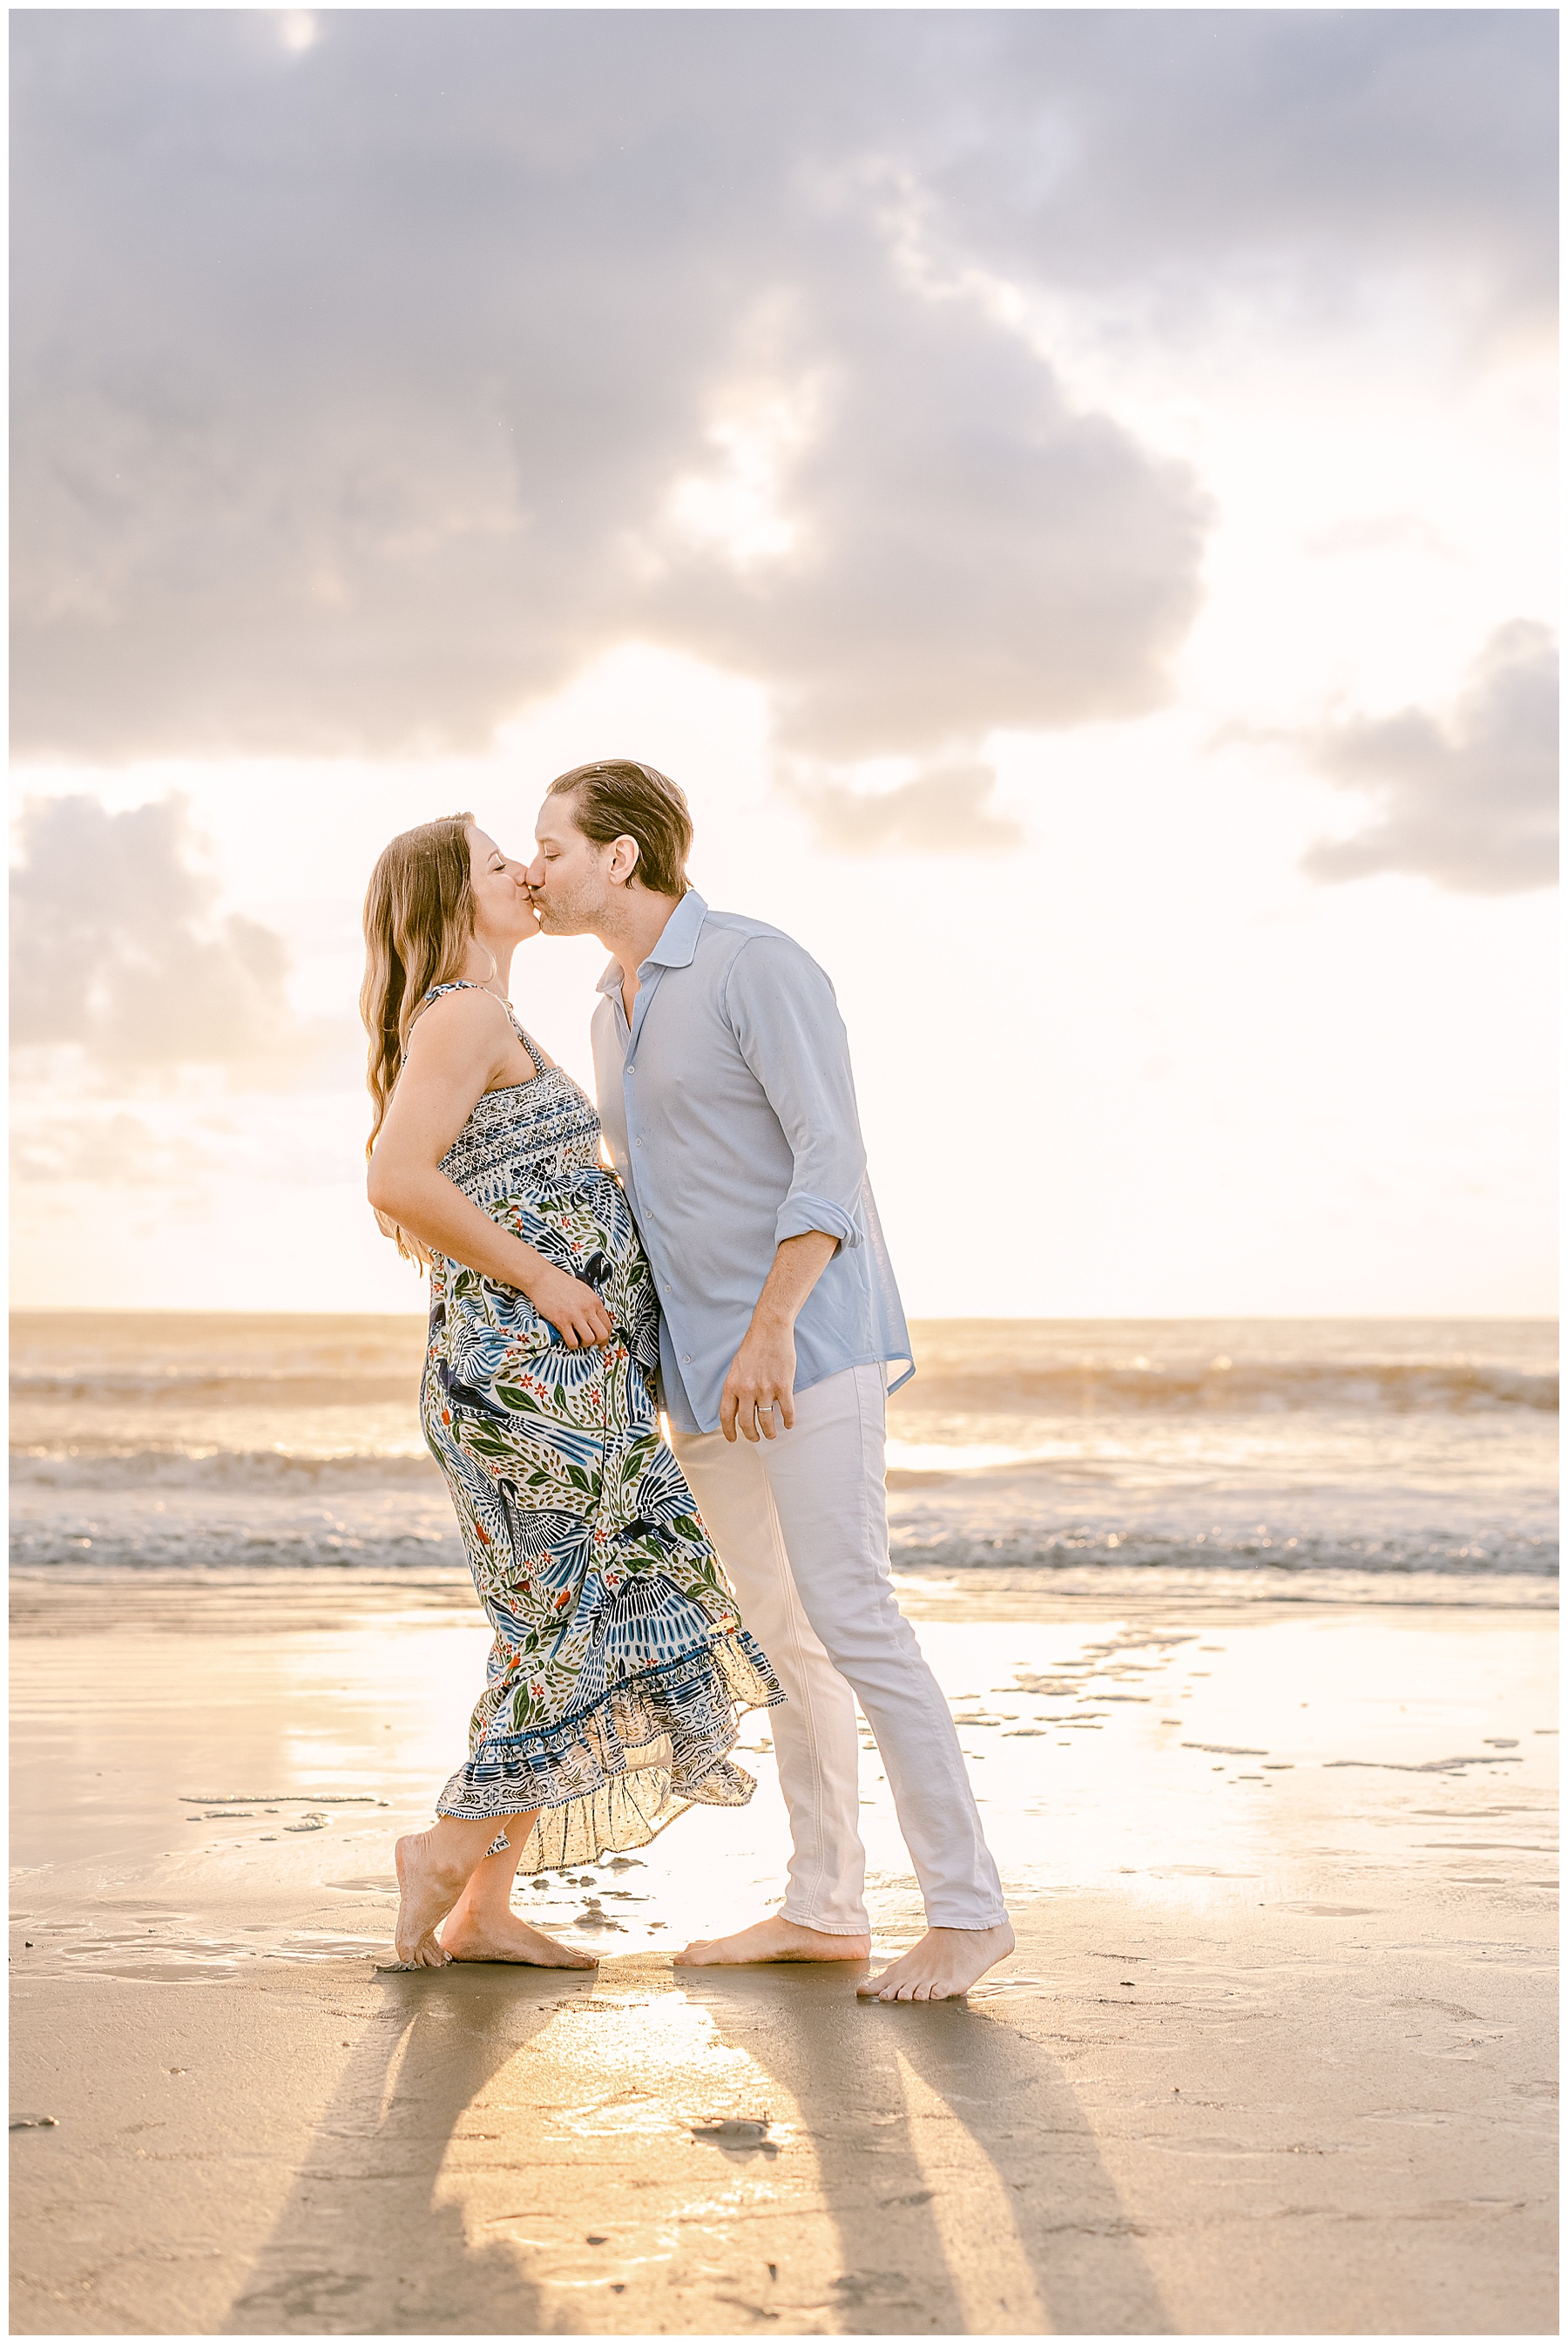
573	1310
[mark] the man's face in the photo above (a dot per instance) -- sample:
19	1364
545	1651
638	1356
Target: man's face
568	876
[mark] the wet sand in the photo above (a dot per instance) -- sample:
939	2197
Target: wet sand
1274	2056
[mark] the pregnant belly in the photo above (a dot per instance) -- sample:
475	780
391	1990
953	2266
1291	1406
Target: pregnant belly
581	1224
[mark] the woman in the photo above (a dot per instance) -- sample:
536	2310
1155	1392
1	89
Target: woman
619	1661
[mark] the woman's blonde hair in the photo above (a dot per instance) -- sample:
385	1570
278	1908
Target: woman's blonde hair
419	916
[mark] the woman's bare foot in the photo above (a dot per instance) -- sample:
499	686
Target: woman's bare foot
943	1966
773	1940
430	1885
495	1937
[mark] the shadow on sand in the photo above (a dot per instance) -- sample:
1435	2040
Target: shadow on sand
939	2176
362	2245
961	2178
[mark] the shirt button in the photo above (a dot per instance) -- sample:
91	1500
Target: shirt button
686	1358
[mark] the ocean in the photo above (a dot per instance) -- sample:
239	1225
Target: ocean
1385	1460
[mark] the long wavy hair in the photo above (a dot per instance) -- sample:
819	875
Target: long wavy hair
419	916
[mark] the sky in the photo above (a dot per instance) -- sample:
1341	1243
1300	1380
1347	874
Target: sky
1069	494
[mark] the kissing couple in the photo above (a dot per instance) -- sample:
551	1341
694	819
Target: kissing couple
730	1272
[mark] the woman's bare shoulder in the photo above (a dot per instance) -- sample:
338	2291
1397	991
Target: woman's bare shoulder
469	1017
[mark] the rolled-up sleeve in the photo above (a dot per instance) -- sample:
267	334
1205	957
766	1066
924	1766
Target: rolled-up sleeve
786	1021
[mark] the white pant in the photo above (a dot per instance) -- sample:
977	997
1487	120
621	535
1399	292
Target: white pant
800	1523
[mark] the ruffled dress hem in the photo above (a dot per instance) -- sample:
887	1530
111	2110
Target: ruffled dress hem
615	1774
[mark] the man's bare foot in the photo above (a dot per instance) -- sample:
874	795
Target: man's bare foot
943	1966
773	1940
469	1938
429	1888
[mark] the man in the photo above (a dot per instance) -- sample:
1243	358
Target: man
728	1109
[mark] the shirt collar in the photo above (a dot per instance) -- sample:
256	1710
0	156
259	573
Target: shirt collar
677	947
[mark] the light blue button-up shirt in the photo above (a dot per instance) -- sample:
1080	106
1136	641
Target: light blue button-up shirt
729	1111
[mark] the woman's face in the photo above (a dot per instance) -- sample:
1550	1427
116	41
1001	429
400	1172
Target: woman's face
504	911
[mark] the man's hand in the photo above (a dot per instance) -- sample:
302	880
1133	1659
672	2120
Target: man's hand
573	1310
760	1390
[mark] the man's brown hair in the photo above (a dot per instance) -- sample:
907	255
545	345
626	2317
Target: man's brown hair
620	798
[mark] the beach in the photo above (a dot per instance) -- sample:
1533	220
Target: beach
1249	1631
1273	2054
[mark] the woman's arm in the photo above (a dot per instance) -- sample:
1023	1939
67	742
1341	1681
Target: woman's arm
455	1050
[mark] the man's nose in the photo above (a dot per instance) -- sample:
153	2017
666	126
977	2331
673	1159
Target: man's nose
534	875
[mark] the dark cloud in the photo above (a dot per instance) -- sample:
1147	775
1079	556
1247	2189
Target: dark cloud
945	811
114	945
1302	154
356	385
1469	799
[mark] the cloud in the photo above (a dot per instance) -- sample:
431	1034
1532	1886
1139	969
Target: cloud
1304	155
941	812
1468	799
367	385
114	945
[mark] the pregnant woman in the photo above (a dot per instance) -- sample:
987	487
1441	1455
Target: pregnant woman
620	1662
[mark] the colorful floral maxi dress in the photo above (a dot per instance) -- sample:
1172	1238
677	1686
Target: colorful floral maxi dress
619	1661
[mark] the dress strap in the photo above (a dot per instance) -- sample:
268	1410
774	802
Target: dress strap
530	1044
471	985
452	985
